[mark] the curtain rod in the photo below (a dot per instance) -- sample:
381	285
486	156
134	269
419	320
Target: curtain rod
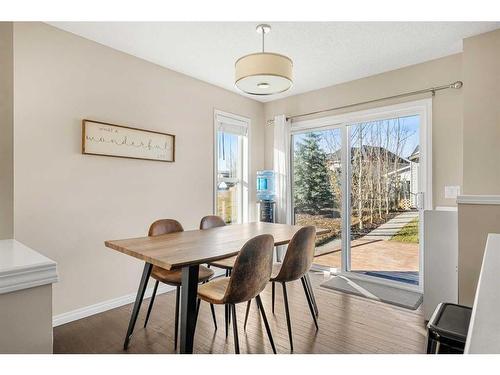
455	85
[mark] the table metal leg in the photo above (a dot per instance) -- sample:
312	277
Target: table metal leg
279	255
189	293
138	300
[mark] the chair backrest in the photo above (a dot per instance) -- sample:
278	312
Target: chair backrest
211	221
299	255
164	226
252	270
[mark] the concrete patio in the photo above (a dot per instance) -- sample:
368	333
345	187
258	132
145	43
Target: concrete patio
376	254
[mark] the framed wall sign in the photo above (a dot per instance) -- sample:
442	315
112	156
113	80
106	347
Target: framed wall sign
101	138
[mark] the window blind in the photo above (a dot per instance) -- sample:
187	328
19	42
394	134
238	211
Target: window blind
231	125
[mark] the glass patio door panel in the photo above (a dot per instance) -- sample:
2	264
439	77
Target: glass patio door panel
317	190
383	189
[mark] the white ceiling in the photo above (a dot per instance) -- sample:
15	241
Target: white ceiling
324	53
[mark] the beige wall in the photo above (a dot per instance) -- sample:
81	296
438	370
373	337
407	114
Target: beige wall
446	112
26	321
481	169
66	203
475	221
481	66
6	131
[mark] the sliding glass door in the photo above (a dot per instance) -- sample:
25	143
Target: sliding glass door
365	182
383	185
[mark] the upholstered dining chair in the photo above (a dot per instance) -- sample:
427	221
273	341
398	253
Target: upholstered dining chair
213	221
297	262
172	277
250	275
226	264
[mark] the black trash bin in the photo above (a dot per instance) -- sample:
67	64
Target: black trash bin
447	329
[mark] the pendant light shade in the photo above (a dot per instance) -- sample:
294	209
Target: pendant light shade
263	73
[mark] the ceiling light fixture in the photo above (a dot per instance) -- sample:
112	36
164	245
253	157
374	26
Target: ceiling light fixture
263	73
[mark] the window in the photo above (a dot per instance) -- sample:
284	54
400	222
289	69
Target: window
231	167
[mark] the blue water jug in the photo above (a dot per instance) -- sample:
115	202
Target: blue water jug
265	185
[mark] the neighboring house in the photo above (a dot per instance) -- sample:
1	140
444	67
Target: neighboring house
224	181
414	159
406	170
369	152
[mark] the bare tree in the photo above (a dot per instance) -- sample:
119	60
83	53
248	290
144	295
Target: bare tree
360	176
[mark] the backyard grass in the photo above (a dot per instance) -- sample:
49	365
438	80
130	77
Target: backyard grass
408	234
225	204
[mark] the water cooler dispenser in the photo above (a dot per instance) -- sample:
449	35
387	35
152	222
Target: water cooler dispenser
266	195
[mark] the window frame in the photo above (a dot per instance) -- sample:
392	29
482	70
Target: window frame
244	149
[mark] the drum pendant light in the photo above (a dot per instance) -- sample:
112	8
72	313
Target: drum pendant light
263	73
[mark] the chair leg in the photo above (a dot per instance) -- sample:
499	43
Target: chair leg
273	293
246	315
177	306
229	309
235	331
266	324
226	311
151	303
287	311
309	300
226	318
213	316
311	293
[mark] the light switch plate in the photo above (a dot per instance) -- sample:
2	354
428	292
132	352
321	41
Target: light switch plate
451	192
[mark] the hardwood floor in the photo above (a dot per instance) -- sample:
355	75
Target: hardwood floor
347	324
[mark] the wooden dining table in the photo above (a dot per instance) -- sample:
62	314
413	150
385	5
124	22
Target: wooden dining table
187	250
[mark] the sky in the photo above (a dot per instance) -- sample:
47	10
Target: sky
227	150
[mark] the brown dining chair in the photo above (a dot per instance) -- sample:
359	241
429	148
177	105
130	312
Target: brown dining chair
250	275
173	277
226	264
297	262
213	221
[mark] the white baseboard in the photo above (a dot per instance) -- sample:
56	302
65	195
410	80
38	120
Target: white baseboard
97	308
100	307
